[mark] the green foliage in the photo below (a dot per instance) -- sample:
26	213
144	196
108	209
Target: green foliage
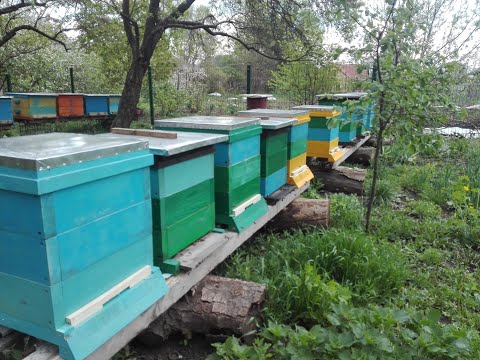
298	269
313	191
346	211
302	81
359	333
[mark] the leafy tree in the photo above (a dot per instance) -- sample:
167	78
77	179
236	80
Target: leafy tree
410	90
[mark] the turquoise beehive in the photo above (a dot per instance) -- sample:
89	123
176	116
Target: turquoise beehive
74	268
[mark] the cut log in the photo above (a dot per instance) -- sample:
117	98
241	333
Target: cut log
216	305
302	212
363	155
342	179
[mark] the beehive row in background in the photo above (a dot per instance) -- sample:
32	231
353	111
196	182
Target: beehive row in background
37	106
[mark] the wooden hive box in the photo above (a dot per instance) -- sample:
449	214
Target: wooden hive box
238	202
96	104
113	101
298	173
274	153
322	136
183	188
351	125
70	105
34	106
6	113
68	245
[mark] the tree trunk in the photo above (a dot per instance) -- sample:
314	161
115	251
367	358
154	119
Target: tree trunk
342	180
373	190
363	156
217	305
130	94
302	212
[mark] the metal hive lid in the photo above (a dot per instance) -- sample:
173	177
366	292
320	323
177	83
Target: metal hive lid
274	123
185	141
47	151
208	122
315	107
273	113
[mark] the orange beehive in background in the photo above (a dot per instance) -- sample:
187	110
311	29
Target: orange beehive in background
70	105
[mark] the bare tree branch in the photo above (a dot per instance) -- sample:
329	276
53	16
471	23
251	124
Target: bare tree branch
11	33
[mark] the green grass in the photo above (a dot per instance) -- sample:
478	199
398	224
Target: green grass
422	255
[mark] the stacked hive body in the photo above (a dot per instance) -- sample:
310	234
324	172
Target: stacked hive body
33	106
183	189
6	114
257	101
323	132
238	202
74	267
70	105
274	152
298	172
353	124
113	101
96	104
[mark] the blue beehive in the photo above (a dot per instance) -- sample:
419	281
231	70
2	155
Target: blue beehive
74	270
6	115
113	101
96	104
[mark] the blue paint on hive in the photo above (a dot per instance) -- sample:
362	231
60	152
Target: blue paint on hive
6	114
227	154
96	104
298	132
270	184
315	134
113	101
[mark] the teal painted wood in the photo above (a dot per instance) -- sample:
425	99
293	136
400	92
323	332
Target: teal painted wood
76	343
113	101
96	104
173	179
228	154
63	248
298	132
347	136
44	182
323	134
6	113
272	183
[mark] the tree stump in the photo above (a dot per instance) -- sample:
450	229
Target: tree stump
363	155
342	179
216	305
301	212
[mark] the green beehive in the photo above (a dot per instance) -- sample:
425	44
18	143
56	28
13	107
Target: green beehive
182	187
238	202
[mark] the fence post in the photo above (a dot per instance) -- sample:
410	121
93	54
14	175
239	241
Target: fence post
249	79
72	80
9	82
150	95
374	72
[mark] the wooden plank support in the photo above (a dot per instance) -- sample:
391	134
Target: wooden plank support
97	304
350	149
149	133
179	285
9	341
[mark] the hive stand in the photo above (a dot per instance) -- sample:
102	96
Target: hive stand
197	261
274	152
74	268
298	173
182	186
6	113
33	106
238	202
323	132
